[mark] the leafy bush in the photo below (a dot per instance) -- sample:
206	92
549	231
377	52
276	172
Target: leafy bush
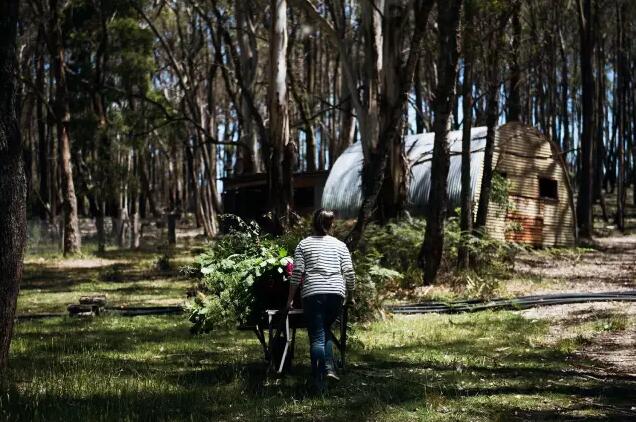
373	284
241	271
491	260
396	246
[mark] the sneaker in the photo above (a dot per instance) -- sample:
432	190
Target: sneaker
332	375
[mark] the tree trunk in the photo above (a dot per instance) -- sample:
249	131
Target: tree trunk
99	225
492	114
466	205
43	140
12	181
248	158
599	151
514	101
564	100
430	255
72	239
394	193
278	197
419	100
621	115
584	206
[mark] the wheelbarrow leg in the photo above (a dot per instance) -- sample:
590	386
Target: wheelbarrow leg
258	330
288	342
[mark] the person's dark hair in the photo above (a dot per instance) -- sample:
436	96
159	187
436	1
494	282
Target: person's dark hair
322	222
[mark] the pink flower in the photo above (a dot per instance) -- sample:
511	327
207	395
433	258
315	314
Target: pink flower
289	268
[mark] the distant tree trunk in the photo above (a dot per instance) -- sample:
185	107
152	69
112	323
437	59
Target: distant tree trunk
306	109
599	152
43	140
374	153
419	100
72	239
394	189
12	181
384	178
564	99
466	204
621	116
492	115
347	121
248	158
514	100
278	197
430	255
584	207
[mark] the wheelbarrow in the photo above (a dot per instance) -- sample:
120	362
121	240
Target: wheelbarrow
276	332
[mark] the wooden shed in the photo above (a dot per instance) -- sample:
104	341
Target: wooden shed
246	195
542	205
541	211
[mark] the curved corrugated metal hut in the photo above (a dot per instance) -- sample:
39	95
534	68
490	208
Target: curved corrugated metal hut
542	209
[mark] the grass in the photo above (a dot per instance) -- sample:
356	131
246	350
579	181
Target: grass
486	366
126	277
474	367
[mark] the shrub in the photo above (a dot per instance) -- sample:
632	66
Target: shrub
240	272
396	246
373	283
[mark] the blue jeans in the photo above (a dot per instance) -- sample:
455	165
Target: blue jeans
321	310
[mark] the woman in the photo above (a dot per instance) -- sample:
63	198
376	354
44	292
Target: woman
323	263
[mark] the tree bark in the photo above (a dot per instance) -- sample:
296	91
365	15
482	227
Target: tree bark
492	114
72	239
587	40
466	205
565	112
621	116
430	255
249	160
278	197
43	140
514	101
12	181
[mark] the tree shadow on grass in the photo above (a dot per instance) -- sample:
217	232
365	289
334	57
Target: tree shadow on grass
151	369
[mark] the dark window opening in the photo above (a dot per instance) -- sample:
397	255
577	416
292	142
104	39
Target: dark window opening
548	188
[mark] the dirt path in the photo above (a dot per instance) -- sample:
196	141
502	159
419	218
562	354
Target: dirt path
612	267
603	335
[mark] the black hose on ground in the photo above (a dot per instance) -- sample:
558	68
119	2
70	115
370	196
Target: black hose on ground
518	303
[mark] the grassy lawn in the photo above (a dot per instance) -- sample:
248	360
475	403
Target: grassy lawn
126	277
485	366
473	367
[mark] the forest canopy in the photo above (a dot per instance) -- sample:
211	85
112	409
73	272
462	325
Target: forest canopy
133	109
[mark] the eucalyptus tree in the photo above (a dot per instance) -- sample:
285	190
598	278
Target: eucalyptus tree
12	180
62	115
387	78
448	23
587	44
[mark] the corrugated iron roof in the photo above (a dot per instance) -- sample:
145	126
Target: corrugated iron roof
342	191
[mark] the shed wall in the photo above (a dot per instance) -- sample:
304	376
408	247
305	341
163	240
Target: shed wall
525	155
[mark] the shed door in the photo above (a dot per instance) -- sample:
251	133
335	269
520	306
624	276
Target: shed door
524	221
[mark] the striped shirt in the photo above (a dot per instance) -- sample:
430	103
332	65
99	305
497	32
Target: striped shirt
324	264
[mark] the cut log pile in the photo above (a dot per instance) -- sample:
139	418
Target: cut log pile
88	306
